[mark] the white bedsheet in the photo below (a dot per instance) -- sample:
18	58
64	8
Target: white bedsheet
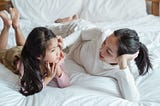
87	90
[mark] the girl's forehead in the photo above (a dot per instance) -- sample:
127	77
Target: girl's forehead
52	43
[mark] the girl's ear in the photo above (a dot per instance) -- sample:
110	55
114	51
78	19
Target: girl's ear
39	57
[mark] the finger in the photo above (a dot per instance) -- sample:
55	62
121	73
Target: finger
135	55
53	70
60	41
61	54
48	66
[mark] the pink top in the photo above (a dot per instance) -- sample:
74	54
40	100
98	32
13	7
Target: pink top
63	80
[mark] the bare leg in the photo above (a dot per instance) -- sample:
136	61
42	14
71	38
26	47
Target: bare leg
5	31
20	40
67	19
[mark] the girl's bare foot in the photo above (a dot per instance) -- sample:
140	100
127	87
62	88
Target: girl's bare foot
67	19
7	22
15	17
63	20
75	17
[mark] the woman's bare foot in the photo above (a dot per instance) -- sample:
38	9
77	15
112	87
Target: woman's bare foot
67	19
7	22
15	17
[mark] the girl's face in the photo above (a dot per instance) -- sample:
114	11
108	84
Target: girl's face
52	51
109	49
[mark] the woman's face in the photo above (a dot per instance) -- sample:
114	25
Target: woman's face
109	49
52	51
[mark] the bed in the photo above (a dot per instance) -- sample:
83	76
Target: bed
85	89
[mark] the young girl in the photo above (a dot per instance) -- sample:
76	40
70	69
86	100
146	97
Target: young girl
38	60
110	53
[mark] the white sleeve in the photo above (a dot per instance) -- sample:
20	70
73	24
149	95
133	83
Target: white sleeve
70	39
82	35
125	81
90	34
127	85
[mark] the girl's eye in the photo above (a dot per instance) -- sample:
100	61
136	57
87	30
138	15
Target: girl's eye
104	43
53	50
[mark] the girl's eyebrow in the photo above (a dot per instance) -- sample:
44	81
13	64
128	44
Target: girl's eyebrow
52	47
55	46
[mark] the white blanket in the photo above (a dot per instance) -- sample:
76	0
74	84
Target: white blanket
87	90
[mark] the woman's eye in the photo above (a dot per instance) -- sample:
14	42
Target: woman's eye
108	52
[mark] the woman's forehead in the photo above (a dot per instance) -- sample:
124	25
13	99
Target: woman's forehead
112	42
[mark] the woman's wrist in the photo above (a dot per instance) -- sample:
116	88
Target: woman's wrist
122	62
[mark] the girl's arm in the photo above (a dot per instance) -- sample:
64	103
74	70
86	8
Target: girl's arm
62	77
52	72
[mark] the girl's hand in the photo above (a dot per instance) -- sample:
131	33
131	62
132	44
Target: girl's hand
61	60
51	70
123	59
61	57
58	70
60	41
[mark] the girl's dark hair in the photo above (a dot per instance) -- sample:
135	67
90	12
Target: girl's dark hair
129	44
35	46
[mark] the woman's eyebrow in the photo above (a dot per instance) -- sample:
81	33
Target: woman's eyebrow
110	50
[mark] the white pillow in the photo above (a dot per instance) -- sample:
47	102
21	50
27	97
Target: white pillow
111	10
47	10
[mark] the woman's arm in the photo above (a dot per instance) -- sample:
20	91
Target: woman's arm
127	85
83	35
125	78
126	82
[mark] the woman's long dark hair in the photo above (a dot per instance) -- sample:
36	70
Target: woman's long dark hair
129	44
35	46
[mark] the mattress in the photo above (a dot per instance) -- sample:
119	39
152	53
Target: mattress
85	89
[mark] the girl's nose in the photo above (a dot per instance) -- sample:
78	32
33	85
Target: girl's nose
57	54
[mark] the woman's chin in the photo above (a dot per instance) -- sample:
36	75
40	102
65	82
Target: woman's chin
102	59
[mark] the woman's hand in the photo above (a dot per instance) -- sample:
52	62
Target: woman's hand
123	59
